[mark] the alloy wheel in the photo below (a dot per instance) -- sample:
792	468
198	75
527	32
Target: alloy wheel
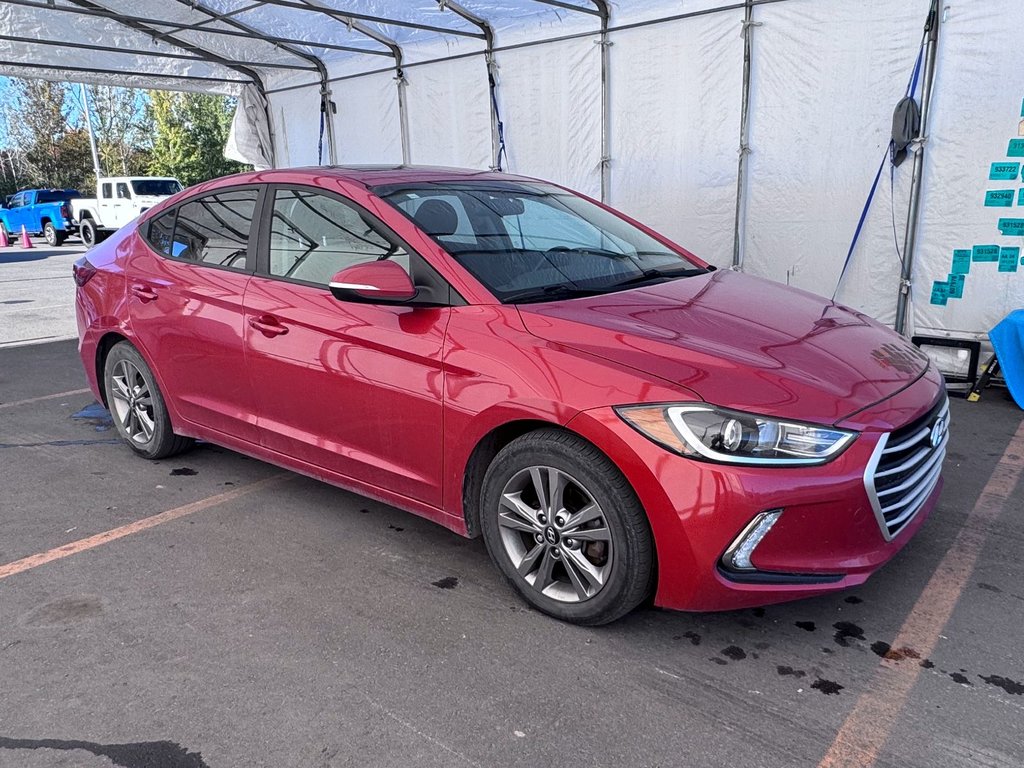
555	534
132	402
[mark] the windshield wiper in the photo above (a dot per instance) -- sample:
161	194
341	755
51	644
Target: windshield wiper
550	293
651	275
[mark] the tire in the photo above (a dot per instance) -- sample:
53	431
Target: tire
594	577
54	237
137	406
87	231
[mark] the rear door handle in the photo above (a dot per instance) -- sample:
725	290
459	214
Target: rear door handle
268	326
144	292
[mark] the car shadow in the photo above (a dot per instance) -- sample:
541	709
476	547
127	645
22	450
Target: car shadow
36	254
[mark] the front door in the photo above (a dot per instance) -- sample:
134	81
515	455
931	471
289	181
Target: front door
185	299
353	388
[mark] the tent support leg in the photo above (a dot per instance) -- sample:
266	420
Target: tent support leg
606	160
914	212
741	168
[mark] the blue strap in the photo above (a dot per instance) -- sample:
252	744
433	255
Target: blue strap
911	90
320	142
863	218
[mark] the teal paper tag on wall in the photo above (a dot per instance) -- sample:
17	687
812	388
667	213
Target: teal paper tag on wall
985	253
940	292
1012	227
961	261
956	286
1008	259
999	198
1004	171
1016	148
1020	197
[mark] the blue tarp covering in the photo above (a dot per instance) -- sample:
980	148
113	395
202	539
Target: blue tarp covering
1008	341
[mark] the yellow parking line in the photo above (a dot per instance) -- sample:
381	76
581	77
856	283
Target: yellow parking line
34	561
863	735
44	397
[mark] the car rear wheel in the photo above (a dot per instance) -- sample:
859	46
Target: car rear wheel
565	527
53	236
137	406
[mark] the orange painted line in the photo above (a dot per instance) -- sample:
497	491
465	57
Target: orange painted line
867	727
34	561
44	397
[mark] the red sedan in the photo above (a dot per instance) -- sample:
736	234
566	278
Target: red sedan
508	358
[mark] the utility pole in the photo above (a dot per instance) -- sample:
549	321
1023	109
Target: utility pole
92	138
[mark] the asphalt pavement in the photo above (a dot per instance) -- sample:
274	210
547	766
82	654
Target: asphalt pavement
37	293
266	619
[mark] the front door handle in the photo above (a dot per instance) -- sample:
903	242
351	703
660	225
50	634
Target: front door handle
268	326
144	292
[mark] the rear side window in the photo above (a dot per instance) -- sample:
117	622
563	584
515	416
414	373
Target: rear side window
161	233
212	230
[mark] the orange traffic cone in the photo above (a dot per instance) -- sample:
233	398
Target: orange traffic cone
4	240
25	241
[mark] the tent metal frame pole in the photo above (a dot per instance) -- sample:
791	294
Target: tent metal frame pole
492	72
604	8
103	13
210	56
140	52
350	16
326	105
116	72
571	7
744	150
914	211
212	19
357	25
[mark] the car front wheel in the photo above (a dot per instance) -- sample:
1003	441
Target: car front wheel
565	527
137	406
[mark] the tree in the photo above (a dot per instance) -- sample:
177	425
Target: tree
54	152
123	129
189	133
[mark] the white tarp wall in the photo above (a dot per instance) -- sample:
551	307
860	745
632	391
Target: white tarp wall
826	75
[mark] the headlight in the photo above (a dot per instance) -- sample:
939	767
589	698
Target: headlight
733	437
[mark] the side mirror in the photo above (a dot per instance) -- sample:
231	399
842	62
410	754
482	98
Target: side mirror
375	282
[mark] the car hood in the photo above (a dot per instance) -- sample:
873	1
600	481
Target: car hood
740	342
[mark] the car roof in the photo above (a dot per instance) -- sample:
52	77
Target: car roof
377	175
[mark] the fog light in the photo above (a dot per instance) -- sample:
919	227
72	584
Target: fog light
737	557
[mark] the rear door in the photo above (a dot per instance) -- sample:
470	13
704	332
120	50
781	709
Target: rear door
186	288
353	388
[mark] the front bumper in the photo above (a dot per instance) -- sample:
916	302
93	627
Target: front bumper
827	538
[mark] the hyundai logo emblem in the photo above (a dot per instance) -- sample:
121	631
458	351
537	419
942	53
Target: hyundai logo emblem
938	432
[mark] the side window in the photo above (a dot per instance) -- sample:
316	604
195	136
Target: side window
122	191
215	228
108	191
161	233
313	237
18	200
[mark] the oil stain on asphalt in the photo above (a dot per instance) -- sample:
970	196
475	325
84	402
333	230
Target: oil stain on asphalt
96	415
165	754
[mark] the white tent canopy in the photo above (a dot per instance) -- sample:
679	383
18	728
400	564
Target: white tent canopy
640	102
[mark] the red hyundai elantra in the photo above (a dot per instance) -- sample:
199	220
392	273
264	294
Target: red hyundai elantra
508	358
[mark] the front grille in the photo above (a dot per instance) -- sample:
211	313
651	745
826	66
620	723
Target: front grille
905	469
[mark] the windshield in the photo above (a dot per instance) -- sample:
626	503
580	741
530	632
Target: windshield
155	187
57	195
529	241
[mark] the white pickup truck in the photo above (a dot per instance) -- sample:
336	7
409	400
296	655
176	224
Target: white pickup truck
119	200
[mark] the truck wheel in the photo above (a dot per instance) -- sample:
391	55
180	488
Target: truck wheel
54	237
88	232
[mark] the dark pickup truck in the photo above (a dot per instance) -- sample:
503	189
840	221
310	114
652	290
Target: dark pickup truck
45	212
